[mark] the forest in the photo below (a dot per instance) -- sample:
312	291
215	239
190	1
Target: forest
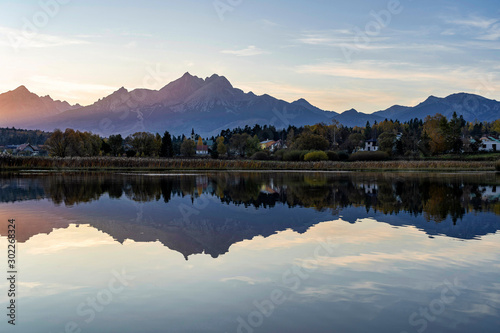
434	136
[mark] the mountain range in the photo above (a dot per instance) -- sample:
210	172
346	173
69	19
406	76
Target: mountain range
209	106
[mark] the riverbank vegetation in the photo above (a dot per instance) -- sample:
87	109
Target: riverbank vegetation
8	162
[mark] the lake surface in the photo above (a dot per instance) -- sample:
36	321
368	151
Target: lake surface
253	252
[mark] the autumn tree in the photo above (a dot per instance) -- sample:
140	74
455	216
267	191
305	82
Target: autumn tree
56	144
495	126
238	142
386	142
354	141
116	144
387	126
145	144
74	143
221	147
310	141
188	148
434	126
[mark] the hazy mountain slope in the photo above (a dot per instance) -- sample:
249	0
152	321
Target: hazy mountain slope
21	105
208	105
471	107
353	118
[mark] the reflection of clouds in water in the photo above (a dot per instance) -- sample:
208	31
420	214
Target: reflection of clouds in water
337	232
391	250
371	261
73	237
39	289
246	279
364	291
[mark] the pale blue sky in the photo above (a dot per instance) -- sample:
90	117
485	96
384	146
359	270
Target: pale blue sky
336	54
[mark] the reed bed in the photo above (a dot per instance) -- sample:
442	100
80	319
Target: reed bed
122	163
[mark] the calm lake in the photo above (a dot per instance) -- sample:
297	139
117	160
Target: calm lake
252	252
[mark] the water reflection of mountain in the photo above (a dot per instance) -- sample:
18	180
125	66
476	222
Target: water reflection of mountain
210	212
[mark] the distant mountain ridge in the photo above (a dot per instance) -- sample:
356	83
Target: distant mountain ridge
210	105
471	107
20	105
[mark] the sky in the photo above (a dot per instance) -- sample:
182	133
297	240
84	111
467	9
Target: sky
362	54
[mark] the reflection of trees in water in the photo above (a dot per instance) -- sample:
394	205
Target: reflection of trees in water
72	189
434	196
12	189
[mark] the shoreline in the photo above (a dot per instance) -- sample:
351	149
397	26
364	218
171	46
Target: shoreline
14	163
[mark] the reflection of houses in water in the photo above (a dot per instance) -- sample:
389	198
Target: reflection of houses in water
489	193
270	188
203	184
369	188
267	189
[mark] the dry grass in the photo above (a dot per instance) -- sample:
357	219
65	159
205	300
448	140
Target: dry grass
122	163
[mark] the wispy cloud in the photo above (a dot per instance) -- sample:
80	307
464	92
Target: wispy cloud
478	27
473	21
479	78
344	38
246	52
492	34
370	70
405	72
246	279
20	39
326	38
268	23
136	34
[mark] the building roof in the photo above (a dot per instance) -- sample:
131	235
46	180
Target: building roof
25	146
490	138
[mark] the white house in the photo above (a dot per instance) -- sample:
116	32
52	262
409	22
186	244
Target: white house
371	145
489	144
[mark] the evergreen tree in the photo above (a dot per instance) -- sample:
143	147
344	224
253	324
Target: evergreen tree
368	131
167	148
